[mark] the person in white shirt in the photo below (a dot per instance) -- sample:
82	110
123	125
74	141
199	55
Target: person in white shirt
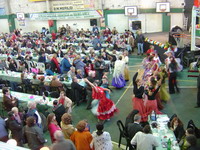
144	140
101	139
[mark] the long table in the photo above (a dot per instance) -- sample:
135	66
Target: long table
6	146
163	133
24	97
16	77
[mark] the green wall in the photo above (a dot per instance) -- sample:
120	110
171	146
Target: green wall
166	21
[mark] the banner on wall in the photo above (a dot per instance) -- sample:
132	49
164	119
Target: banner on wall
71	5
67	15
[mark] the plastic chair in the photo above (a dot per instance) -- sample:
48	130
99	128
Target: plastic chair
123	134
193	126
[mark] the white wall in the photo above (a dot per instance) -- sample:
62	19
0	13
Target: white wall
4	26
119	4
176	19
150	22
26	6
32	25
120	21
75	24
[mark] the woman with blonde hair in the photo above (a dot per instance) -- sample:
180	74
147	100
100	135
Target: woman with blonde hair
52	126
66	125
55	64
79	64
81	138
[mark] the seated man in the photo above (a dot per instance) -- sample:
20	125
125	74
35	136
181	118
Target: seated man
56	83
78	91
133	128
32	111
145	140
61	142
8	100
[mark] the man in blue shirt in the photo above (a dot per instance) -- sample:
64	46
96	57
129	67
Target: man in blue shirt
65	64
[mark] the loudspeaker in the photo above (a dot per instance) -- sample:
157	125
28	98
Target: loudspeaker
93	22
136	25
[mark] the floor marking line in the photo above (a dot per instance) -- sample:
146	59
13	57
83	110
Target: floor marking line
130	84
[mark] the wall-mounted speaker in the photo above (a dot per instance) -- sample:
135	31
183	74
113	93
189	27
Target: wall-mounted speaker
93	22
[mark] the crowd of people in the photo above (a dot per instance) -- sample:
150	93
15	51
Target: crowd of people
83	58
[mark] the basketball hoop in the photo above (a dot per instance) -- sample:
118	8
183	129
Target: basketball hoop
163	9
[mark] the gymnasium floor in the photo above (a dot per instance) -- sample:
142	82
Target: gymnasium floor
182	104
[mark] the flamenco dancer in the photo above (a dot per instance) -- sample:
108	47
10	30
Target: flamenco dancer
118	80
138	91
106	108
151	102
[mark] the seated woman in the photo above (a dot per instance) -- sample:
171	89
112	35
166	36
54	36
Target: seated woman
183	143
79	74
66	125
65	101
52	126
48	70
56	83
8	100
176	126
35	70
55	63
81	138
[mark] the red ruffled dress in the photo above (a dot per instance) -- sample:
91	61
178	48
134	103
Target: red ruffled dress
106	107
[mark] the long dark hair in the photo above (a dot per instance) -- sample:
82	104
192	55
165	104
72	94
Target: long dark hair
99	127
173	65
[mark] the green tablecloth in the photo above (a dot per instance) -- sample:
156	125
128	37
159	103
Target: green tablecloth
16	77
163	133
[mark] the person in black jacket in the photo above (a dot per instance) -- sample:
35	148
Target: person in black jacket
133	128
42	58
15	126
176	126
78	91
58	110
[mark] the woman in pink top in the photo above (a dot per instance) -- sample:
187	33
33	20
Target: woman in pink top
52	126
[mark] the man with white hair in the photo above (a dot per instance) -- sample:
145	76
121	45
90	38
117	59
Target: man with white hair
62	143
32	111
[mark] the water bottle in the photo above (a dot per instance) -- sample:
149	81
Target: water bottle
44	97
169	144
49	98
153	116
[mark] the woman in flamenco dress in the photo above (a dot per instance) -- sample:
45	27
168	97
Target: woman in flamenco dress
137	100
118	80
106	107
151	102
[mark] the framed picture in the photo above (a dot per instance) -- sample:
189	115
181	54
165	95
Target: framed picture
131	11
163	7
